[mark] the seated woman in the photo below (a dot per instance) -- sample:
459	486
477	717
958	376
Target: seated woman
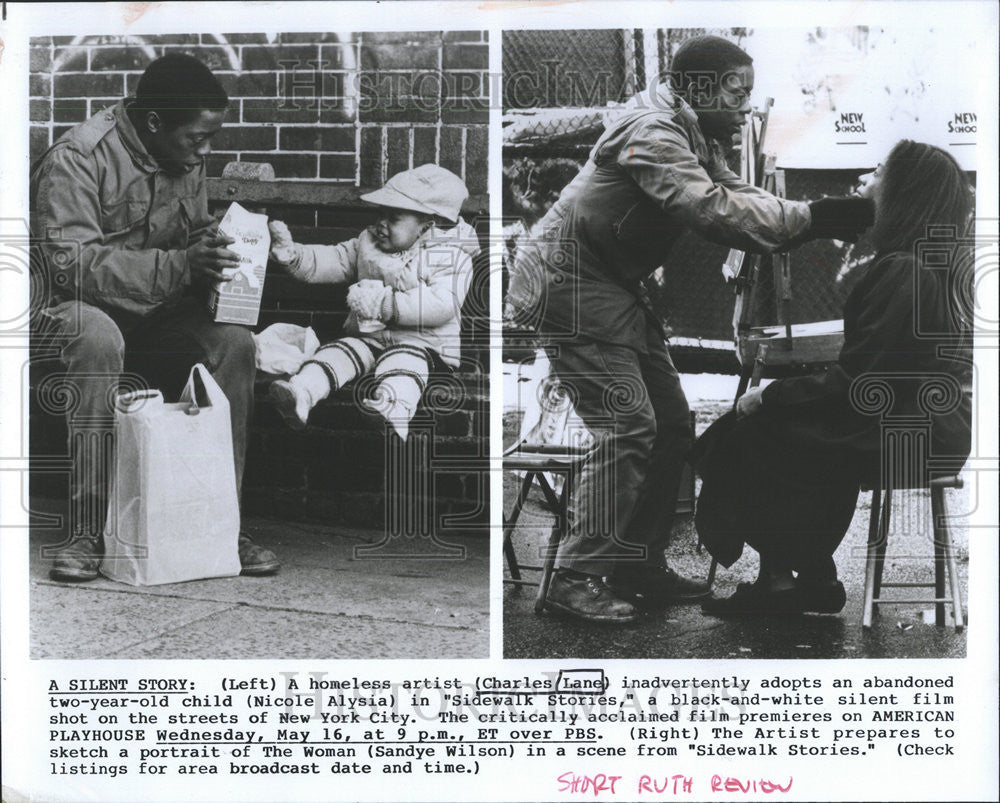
782	472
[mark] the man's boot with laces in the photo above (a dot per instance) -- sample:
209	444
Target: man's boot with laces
255	560
587	597
79	561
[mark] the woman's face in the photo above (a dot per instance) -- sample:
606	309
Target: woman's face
869	183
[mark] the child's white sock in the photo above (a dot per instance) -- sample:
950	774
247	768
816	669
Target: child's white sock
396	412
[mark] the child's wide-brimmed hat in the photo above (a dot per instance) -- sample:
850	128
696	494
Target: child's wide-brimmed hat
429	188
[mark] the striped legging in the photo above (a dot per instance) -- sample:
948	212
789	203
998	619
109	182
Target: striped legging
400	371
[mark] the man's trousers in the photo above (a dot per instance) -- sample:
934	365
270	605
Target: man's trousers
626	494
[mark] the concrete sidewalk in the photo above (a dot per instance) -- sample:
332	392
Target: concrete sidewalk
685	632
323	603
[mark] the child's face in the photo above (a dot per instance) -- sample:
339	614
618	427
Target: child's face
398	229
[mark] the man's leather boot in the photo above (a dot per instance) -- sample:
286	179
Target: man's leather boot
79	560
587	597
255	560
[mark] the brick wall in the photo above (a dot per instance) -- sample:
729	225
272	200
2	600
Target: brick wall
350	107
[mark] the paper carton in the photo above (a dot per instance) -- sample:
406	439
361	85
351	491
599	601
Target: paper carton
238	301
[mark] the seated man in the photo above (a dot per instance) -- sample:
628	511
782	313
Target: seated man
120	208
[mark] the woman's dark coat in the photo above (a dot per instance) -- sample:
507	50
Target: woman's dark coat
786	478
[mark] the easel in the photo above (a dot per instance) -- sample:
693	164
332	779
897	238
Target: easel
802	346
760	348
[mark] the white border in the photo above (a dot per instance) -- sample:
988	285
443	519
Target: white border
975	776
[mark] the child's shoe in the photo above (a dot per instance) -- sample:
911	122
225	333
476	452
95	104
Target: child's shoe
291	400
394	411
295	397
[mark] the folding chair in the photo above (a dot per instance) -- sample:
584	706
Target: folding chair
535	460
906	462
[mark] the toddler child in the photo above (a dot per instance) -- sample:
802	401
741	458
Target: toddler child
409	275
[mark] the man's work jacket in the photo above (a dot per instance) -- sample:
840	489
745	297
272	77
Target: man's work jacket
112	225
650	176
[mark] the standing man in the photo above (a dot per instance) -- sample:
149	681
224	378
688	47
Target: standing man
120	209
657	170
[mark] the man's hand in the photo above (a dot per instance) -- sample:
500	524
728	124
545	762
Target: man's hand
750	402
841	218
209	257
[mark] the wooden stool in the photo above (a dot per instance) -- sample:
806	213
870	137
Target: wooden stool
944	557
535	460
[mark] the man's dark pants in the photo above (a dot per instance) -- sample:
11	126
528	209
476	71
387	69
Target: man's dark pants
102	354
625	497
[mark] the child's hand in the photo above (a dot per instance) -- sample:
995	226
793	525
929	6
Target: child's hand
284	250
750	402
367	299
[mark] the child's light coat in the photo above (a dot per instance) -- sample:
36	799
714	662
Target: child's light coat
429	281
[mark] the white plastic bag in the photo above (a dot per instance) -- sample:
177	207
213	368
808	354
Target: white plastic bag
173	512
549	416
283	347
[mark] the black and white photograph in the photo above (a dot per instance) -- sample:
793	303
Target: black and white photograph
738	375
258	388
516	400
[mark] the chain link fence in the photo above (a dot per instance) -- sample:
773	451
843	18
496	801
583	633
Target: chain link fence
558	84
